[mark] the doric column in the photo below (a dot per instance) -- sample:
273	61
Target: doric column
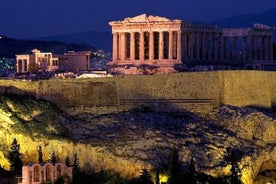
216	47
250	48
204	45
266	48
184	46
123	46
221	47
161	45
142	46
234	49
151	46
226	48
132	46
179	39
210	46
270	48
198	45
17	66
260	46
115	47
170	44
191	45
243	49
255	48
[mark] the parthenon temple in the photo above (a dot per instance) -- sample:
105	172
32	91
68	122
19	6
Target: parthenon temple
152	44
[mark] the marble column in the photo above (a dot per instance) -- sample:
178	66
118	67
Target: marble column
198	46
179	39
151	45
115	47
260	46
234	49
250	48
123	46
266	48
161	45
191	45
216	47
270	43
210	46
17	66
255	48
204	45
184	46
226	49
221	50
243	49
170	44
132	46
142	46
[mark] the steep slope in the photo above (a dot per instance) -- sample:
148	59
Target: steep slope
130	140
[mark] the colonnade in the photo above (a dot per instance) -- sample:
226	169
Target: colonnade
147	45
256	47
202	45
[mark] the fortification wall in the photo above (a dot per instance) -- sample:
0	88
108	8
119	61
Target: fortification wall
248	88
198	90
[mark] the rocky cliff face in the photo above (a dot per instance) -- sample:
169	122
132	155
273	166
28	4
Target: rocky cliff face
141	137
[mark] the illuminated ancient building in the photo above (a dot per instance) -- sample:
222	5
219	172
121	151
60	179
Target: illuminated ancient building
46	173
46	61
152	44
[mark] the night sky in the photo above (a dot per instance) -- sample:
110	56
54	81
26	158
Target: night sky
34	18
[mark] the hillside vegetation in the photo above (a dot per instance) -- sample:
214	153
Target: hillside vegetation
131	140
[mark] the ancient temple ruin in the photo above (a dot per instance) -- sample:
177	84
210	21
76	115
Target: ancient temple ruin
152	44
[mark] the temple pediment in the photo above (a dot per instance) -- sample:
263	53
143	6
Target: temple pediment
145	18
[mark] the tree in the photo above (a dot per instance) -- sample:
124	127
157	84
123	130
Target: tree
76	164
145	177
174	168
40	154
67	161
15	158
53	157
191	175
233	157
157	179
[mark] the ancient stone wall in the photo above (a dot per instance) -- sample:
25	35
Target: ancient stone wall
198	91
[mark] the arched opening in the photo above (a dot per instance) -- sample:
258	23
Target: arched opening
36	173
48	173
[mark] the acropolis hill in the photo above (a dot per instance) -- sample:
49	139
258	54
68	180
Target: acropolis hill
130	106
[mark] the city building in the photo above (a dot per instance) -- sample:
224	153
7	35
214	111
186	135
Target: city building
151	44
44	173
46	61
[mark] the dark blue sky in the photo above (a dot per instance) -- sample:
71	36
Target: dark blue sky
33	18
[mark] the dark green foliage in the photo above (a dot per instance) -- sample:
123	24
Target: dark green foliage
63	180
15	158
174	168
191	176
157	179
76	164
233	158
67	161
40	154
145	177
54	157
